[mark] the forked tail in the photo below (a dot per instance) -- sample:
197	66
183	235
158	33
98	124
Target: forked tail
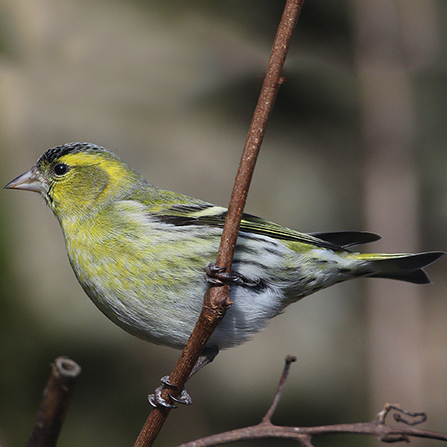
404	267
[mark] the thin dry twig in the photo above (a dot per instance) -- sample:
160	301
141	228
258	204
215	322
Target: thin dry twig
304	435
279	392
217	301
54	404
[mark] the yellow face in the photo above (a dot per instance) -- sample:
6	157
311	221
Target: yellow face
77	184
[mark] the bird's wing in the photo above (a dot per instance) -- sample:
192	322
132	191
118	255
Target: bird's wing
207	214
347	238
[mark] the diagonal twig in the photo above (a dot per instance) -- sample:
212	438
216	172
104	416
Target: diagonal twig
279	392
217	299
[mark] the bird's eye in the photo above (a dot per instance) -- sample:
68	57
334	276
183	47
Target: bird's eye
60	169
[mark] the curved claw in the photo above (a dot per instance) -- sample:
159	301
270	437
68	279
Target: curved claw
165	381
213	274
184	398
157	400
217	276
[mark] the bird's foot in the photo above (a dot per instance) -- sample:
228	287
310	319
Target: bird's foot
217	276
208	355
157	400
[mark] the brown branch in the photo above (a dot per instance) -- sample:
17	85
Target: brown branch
217	299
54	405
304	435
279	392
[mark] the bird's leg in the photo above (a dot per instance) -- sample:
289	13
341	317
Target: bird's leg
208	355
217	276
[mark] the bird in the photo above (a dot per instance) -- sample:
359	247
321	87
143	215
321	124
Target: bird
139	252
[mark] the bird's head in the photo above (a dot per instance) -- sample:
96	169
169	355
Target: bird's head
78	179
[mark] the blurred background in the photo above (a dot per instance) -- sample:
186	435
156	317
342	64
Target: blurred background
356	142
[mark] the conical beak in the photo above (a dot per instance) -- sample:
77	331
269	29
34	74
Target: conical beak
28	182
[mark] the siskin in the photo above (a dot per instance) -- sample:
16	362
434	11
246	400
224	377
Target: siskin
139	252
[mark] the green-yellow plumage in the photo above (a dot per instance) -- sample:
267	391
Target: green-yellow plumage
139	251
